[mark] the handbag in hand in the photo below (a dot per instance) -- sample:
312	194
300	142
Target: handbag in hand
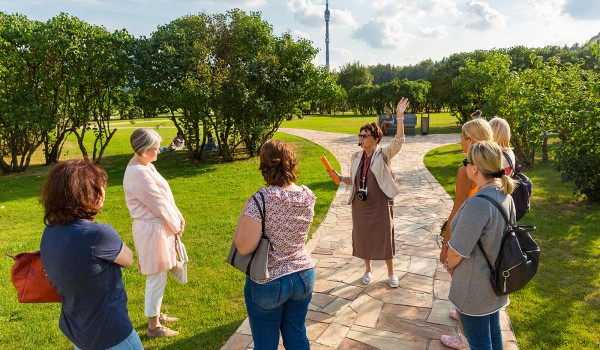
254	264
518	259
179	271
30	280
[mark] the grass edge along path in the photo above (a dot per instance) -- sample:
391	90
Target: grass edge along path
210	195
560	307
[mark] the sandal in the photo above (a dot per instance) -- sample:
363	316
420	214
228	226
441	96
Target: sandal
453	341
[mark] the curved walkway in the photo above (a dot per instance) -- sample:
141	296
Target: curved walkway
344	313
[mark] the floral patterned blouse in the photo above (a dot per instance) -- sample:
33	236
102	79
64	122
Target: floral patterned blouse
288	218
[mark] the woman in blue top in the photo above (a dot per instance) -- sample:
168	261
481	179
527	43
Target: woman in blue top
83	259
479	220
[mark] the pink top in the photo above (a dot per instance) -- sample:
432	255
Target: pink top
156	217
289	215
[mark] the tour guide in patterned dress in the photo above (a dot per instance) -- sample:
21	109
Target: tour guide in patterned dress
373	195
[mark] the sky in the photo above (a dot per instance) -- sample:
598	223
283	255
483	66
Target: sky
398	32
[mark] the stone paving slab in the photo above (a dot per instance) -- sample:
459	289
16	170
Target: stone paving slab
344	313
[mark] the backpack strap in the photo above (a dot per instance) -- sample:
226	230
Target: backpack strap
505	219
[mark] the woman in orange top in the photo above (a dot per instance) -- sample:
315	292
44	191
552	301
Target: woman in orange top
472	131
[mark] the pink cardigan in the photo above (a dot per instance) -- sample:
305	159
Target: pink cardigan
156	217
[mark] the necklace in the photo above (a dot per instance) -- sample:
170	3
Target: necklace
487	184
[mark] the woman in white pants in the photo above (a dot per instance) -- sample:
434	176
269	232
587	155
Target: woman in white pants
157	221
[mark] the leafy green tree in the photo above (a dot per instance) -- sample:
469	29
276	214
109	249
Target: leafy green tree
22	122
354	74
384	73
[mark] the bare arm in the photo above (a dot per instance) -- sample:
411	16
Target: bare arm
247	233
125	257
462	188
400	108
453	260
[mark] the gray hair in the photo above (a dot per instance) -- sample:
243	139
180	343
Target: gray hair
144	138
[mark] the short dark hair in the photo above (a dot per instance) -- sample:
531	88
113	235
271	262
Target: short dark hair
278	163
374	129
73	191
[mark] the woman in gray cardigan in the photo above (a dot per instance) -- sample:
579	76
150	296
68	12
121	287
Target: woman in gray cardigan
479	220
372	200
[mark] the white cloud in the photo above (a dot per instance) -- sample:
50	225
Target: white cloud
312	14
381	34
548	10
337	57
482	16
434	32
300	34
410	10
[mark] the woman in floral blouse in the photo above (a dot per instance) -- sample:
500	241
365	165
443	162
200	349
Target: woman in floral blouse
279	303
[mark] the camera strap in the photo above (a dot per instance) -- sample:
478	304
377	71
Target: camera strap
364	169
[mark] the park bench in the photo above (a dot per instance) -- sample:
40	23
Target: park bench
410	123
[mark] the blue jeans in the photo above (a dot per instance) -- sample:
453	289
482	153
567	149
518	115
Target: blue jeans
482	332
132	342
280	305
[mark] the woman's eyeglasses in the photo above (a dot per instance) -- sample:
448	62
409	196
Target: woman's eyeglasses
466	161
363	136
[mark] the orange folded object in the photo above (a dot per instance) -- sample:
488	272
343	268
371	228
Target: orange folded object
336	178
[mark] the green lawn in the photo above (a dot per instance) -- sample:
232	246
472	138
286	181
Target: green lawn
210	195
439	123
560	308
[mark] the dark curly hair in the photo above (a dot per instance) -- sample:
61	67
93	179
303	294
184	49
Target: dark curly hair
73	190
374	129
278	163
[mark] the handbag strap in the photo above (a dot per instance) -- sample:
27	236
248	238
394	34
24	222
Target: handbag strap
262	211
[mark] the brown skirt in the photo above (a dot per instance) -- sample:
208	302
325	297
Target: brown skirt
373	223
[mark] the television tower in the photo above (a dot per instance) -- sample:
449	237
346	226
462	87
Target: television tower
327	34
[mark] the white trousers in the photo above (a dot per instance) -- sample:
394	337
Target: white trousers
155	289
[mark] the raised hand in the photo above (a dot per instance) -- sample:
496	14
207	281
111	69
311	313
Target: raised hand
402	105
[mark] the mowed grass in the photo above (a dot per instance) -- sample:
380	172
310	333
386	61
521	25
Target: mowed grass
560	307
210	195
439	123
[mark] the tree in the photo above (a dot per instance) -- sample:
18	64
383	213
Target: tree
383	73
22	122
354	74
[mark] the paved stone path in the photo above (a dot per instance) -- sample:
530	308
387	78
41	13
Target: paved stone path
344	313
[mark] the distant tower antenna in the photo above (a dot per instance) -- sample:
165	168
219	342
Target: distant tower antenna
327	34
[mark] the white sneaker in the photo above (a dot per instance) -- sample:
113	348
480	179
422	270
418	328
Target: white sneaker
394	281
367	277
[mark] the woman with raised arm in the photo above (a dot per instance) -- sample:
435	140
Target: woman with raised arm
372	199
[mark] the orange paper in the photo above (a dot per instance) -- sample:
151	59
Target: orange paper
336	178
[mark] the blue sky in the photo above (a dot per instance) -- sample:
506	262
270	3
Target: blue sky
399	32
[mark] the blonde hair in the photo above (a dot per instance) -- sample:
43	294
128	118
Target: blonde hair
501	131
487	157
142	139
478	130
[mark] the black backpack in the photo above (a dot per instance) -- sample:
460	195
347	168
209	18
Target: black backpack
522	192
518	258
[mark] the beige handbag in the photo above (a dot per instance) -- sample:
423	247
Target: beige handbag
179	271
254	264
